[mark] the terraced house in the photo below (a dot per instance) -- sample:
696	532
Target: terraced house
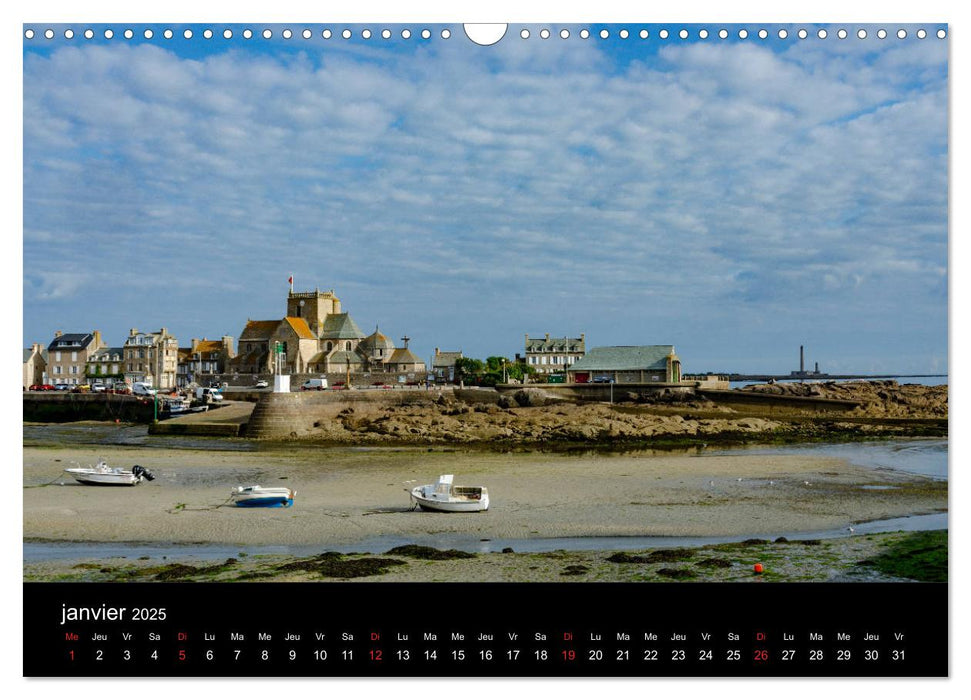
67	356
106	365
152	358
547	355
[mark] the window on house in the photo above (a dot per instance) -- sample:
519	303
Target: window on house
347	346
74	357
57	356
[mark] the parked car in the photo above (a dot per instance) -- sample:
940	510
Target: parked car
262	384
41	387
81	389
62	387
602	380
314	385
120	389
99	387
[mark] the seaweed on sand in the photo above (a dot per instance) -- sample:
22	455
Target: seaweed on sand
420	552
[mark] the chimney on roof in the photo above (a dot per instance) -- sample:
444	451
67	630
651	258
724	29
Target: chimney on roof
164	331
35	348
228	345
195	342
583	337
58	334
97	340
133	331
437	352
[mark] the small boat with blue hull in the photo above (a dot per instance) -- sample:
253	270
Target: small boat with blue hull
260	497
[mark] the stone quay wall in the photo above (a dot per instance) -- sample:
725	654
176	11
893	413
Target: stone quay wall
293	415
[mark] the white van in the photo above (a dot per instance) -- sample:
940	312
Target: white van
142	389
208	394
314	385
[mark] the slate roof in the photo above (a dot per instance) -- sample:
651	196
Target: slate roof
258	330
447	359
403	356
555	345
340	327
376	340
624	357
106	353
339	359
71	341
28	353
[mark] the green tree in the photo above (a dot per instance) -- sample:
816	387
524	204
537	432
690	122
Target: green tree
468	367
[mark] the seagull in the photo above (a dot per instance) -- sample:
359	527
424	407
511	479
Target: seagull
739	478
806	483
771	483
849	529
711	483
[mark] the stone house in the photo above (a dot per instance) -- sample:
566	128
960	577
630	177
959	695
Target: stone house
35	365
204	357
106	365
631	364
67	356
443	365
547	355
151	357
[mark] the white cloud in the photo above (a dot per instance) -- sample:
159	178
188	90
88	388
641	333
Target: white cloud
710	177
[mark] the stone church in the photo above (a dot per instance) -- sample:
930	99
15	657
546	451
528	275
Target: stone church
317	337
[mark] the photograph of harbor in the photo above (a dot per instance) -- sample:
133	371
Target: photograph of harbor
594	303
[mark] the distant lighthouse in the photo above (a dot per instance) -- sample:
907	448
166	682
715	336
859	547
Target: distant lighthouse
802	366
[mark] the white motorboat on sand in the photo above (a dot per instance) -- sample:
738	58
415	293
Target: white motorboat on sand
444	496
259	497
103	475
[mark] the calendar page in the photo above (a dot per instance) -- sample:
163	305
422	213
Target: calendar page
443	350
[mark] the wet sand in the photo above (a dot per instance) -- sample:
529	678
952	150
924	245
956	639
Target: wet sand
346	495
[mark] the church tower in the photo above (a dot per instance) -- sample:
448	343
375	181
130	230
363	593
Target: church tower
314	307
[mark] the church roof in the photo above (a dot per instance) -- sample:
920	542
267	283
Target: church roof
404	356
377	340
340	327
258	330
340	358
300	327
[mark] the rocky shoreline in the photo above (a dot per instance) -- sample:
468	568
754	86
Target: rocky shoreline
536	417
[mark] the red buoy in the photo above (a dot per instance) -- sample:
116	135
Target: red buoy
758	568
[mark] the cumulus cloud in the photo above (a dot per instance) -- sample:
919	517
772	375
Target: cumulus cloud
468	196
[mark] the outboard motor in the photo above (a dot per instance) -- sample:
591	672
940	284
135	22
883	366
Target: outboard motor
141	472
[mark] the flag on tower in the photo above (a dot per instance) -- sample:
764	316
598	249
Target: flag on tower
290	280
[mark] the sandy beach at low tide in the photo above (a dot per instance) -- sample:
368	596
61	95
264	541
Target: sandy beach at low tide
347	495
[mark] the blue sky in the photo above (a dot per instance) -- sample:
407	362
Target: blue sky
735	198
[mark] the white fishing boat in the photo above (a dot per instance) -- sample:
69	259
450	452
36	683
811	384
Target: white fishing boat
260	497
103	475
444	496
